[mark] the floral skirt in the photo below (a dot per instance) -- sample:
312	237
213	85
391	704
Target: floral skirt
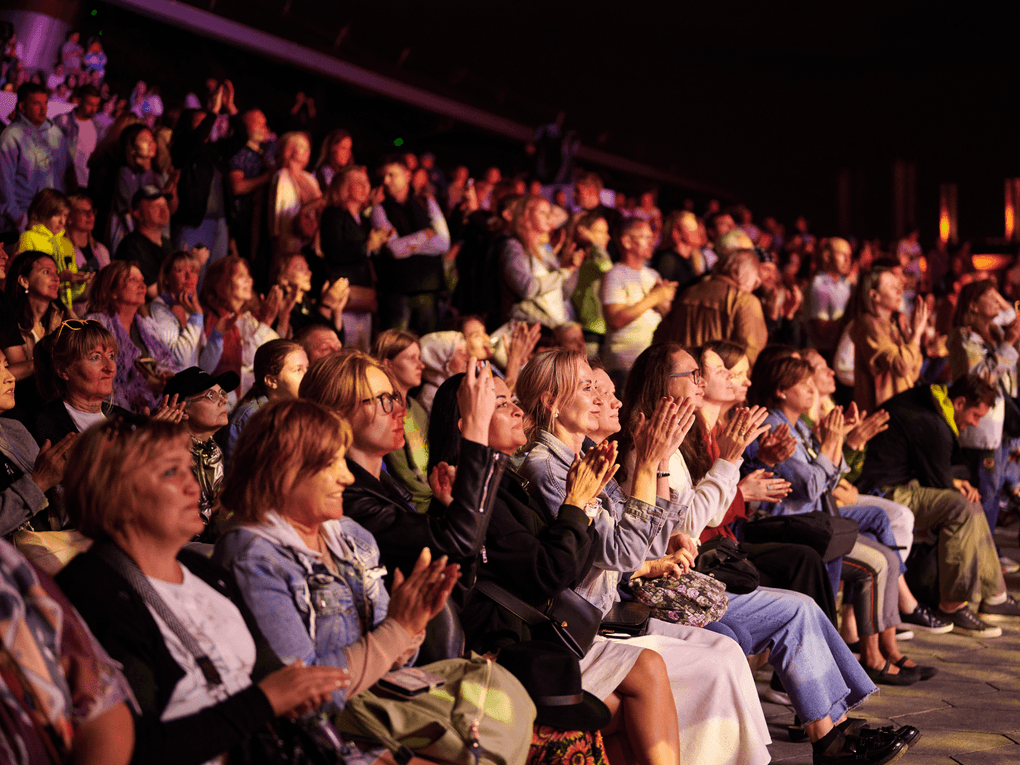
552	746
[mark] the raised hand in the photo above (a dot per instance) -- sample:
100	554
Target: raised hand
654	438
588	476
441	482
49	466
743	428
171	409
477	399
777	446
414	601
868	428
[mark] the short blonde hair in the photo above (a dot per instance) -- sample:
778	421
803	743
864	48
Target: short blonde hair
283	443
99	481
340	381
554	371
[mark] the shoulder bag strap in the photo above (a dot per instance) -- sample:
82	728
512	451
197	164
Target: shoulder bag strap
120	562
511	603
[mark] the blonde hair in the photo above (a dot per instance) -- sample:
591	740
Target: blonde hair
554	371
340	381
287	140
284	443
100	478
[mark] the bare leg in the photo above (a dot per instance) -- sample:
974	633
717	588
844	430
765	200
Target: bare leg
648	713
907	600
871	653
848	630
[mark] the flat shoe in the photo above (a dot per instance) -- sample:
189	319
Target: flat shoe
855	726
883	677
925	673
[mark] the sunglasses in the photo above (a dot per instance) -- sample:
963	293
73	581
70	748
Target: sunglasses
74	325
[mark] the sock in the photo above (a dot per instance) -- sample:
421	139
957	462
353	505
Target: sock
996	600
829	738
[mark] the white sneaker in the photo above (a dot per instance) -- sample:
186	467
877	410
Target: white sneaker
1009	566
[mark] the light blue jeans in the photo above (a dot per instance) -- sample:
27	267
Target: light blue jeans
821	676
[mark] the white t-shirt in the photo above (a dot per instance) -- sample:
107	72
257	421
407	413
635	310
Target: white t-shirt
626	286
218	627
84	420
87	139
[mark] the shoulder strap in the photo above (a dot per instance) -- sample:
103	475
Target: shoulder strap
511	603
120	562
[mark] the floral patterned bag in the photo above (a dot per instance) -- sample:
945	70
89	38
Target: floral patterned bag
693	599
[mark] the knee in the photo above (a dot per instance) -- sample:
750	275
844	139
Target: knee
649	670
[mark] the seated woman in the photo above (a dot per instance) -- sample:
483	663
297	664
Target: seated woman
28	471
292	534
33	290
75	370
117	302
535	560
718	713
787	387
303	304
818	671
236	321
280	366
400	353
204	678
362	391
176	309
65	699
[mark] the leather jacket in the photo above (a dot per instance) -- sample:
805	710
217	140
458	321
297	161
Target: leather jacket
383	507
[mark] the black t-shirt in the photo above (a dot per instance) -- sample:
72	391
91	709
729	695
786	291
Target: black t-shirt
143	251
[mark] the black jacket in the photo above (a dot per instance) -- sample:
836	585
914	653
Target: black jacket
197	159
121	621
529	559
918	444
53	422
383	507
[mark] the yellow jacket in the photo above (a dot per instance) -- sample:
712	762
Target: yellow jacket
40	238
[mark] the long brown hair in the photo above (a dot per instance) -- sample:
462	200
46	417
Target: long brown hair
647	384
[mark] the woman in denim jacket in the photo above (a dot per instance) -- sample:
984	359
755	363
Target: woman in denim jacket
310	576
718	713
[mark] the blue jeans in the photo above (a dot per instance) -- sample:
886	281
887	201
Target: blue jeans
874	524
821	676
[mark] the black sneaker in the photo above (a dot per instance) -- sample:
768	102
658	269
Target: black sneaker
967	622
924	619
1002	612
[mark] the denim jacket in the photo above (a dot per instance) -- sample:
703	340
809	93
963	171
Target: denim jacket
629	531
809	472
304	610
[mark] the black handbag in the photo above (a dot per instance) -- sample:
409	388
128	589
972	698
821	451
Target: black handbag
570	618
1011	415
831	536
721	558
626	618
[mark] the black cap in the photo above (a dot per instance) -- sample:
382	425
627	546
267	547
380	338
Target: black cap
9	238
193	381
551	675
145	193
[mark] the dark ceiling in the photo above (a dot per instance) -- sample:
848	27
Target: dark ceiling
769	100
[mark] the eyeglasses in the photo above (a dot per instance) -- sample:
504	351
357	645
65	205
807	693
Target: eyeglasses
74	325
386	401
211	395
694	373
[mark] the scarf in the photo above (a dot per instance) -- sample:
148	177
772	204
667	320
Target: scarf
944	406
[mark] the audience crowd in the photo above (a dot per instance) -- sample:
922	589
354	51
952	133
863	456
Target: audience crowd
271	433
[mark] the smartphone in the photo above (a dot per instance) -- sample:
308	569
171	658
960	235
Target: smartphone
410	682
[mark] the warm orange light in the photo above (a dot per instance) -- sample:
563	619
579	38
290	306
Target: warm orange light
922	263
944	225
991	262
1012	186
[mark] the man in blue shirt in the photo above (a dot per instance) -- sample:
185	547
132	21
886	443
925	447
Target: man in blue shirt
33	156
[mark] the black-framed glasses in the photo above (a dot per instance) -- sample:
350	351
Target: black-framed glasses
694	373
386	401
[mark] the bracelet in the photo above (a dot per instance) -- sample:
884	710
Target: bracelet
662	474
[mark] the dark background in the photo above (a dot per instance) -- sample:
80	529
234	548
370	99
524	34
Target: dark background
768	101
